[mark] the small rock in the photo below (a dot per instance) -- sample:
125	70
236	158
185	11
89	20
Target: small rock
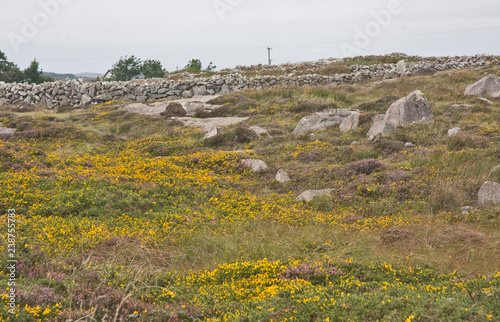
454	131
409	145
467	210
485	101
310	194
353	143
461	105
6	133
489	192
212	133
282	176
259	131
255	165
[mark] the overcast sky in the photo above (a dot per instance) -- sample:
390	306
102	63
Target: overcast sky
72	36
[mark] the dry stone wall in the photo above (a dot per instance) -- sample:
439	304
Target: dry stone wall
74	93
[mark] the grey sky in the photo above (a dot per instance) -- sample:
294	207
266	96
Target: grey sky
90	35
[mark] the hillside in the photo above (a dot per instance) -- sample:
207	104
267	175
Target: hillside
135	217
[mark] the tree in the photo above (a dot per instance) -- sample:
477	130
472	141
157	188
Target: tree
194	66
127	68
34	75
152	68
211	67
9	72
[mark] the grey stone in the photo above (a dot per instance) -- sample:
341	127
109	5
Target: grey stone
212	133
467	210
187	94
409	145
489	193
259	131
488	85
380	127
200	90
225	90
141	99
350	123
410	109
206	124
193	107
401	66
378	118
6	133
282	176
461	105
321	121
255	165
454	131
311	194
485	101
64	101
104	97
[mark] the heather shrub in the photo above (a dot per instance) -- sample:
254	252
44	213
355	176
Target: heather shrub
366	167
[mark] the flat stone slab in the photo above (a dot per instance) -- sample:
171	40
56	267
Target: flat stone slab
208	124
321	121
155	108
311	194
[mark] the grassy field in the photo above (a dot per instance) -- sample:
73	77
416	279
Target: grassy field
127	217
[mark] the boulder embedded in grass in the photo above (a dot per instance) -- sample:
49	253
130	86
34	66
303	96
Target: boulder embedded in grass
489	193
311	194
282	176
489	85
410	109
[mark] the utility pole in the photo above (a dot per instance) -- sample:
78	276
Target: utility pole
269	54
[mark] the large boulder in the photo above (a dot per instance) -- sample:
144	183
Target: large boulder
311	194
410	109
321	121
488	85
489	193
